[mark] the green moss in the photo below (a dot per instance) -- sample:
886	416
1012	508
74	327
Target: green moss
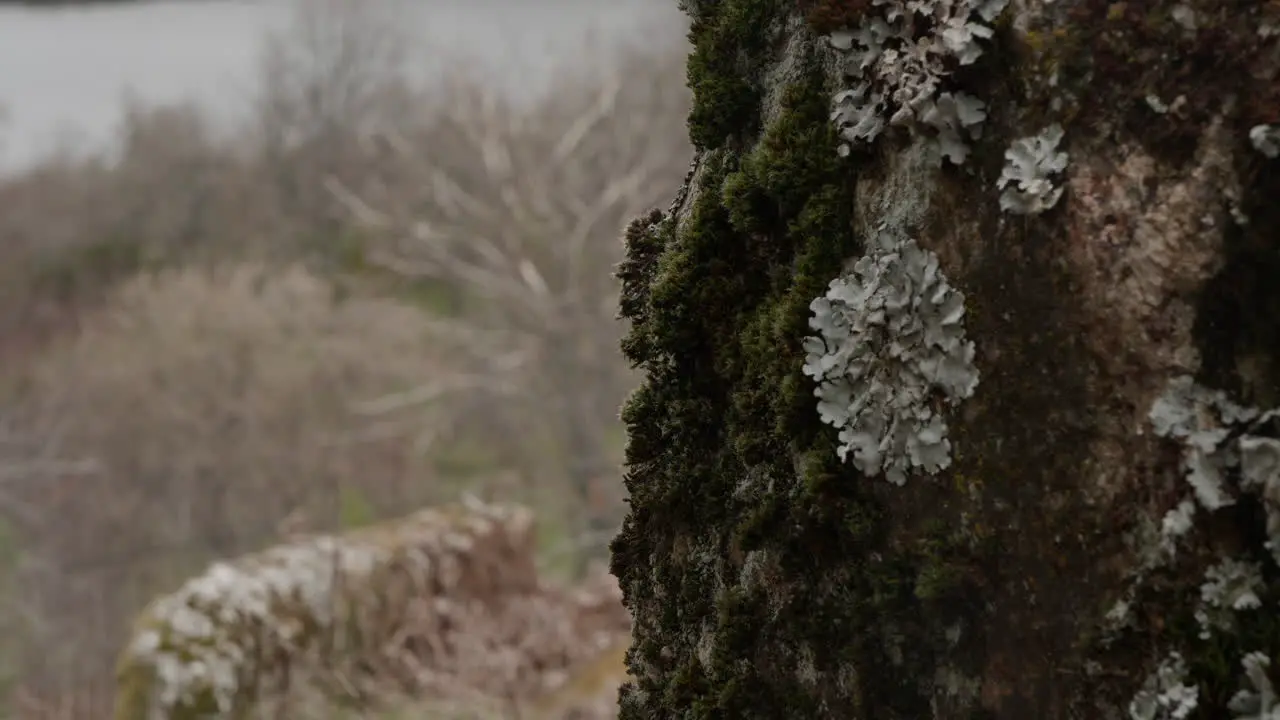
730	42
724	418
943	566
727	460
354	508
645	239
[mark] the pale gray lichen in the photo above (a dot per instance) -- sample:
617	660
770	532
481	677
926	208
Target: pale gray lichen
1266	139
1166	695
890	346
1259	701
1225	454
1120	615
1219	438
1260	472
1230	586
1159	106
1026	181
1175	524
1201	419
1185	16
897	71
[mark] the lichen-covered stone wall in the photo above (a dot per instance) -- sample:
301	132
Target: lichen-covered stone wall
445	603
1091	179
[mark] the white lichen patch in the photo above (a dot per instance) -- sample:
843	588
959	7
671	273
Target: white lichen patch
1227	453
897	63
1266	139
890	355
1201	420
1230	586
1260	473
208	648
1175	524
1187	17
1027	181
1220	439
1166	695
1258	701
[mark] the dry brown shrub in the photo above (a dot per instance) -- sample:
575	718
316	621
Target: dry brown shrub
522	211
216	403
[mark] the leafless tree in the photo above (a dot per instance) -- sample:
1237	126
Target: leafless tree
33	467
333	73
214	404
324	73
522	210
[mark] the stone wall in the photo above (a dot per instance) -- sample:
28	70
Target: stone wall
445	603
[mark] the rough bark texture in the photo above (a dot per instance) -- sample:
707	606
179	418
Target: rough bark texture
769	579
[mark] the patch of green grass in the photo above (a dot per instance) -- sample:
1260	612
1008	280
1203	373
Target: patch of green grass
354	509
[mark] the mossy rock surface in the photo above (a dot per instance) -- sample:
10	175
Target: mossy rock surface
767	578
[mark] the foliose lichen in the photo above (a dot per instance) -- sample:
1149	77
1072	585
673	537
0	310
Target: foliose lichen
1230	586
898	60
1026	183
1228	452
1266	139
890	354
1207	423
1259	701
1166	695
724	448
1260	473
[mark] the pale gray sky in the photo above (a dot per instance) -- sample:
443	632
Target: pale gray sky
65	70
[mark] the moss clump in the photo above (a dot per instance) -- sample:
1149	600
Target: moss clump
730	43
750	554
767	579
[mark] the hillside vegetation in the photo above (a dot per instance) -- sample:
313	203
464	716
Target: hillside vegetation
372	298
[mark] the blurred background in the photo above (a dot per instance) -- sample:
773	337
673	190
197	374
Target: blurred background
296	266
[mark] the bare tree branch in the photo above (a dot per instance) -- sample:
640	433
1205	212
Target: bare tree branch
521	209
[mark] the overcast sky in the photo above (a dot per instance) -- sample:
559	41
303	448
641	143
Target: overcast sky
66	70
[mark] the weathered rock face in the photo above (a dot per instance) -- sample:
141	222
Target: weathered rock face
1086	532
